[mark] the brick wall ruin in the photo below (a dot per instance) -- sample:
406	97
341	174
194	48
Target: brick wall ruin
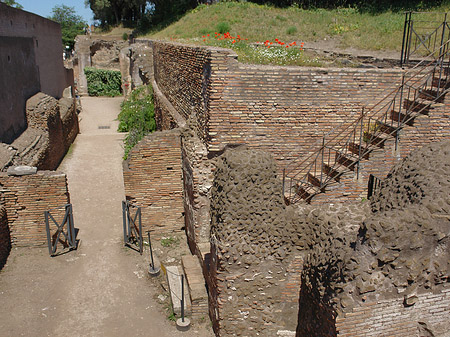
52	128
25	199
221	103
153	181
97	53
389	276
31	58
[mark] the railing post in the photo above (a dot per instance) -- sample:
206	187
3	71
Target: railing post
360	142
47	227
321	164
284	179
441	54
182	298
141	249
405	40
71	227
124	221
410	31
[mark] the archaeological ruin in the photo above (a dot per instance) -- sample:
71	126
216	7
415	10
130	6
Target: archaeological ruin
38	123
266	168
273	269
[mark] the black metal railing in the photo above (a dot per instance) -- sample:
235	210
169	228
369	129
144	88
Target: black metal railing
132	226
66	228
342	149
423	34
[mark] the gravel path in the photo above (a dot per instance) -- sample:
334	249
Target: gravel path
102	289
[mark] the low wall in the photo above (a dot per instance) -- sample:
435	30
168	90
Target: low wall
153	181
52	128
26	198
5	238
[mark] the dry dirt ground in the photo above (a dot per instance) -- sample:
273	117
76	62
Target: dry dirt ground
101	289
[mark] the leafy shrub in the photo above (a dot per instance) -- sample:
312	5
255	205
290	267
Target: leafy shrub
223	27
137	116
125	36
291	30
103	82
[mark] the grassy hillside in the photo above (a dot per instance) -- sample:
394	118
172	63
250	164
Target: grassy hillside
260	23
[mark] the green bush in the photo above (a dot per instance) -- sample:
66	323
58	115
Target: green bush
125	36
103	82
291	30
137	116
223	27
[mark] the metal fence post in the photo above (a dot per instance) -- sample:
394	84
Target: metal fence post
47	227
124	221
182	298
141	248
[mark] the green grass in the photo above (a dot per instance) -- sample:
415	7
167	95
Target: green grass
257	23
169	241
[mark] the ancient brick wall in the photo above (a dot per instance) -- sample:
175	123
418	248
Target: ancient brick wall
390	317
153	181
5	238
26	198
31	56
19	81
284	110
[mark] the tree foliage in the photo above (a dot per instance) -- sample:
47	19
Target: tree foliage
12	3
139	12
114	12
71	24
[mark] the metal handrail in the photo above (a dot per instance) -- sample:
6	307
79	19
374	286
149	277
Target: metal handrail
415	82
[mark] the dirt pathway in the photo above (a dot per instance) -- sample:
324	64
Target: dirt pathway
102	289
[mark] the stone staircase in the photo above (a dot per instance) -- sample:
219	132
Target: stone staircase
341	151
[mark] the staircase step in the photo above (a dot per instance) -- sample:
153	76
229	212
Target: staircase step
388	129
354	148
399	117
411	105
331	172
442	83
374	140
302	193
346	161
430	95
313	180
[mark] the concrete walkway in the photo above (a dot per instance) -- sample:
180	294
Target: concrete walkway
102	289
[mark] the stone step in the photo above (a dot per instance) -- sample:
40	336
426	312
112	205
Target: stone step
196	283
354	148
402	118
374	140
331	172
173	274
348	162
410	105
386	128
